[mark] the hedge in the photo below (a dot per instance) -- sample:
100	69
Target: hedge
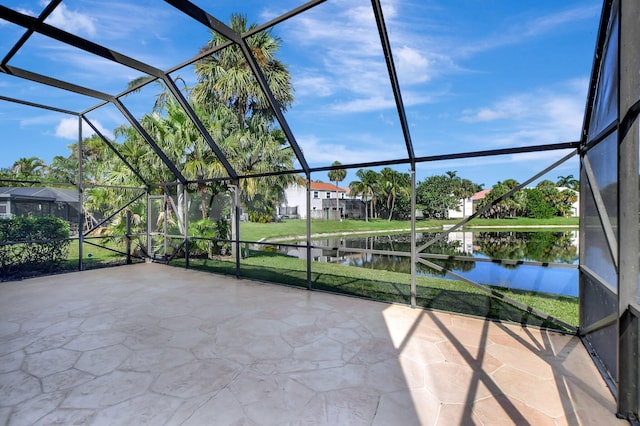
31	244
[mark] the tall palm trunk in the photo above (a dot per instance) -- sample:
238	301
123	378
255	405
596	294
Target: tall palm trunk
338	203
366	217
203	198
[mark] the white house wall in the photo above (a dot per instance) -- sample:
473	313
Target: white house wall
465	209
296	196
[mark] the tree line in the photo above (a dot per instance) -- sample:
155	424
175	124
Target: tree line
388	194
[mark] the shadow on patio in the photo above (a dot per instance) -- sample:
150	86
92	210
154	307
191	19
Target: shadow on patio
155	344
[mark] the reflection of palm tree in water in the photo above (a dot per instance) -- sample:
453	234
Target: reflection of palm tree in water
541	246
402	264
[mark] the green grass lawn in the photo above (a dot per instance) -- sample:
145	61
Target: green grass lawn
97	252
250	231
96	255
435	293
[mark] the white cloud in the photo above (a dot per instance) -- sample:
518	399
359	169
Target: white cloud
67	128
72	21
548	115
27	12
513	107
117	25
524	30
412	65
553	21
347	52
38	119
373	103
313	85
483	114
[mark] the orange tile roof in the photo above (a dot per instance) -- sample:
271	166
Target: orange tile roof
322	186
480	195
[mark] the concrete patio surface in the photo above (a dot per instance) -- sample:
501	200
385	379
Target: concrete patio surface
154	344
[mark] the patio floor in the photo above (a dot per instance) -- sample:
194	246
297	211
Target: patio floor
153	344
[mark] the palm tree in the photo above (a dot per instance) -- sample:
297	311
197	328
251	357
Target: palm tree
225	77
336	176
359	188
509	207
370	179
463	189
394	184
254	144
63	169
518	201
259	149
29	167
235	112
568	182
452	174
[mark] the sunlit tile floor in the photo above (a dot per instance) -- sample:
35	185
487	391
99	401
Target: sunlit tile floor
152	344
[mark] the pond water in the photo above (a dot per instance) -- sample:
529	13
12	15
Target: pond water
557	250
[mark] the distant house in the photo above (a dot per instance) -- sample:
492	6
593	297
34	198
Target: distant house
476	198
467	206
58	202
465	209
323	202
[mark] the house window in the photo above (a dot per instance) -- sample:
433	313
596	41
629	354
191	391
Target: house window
3	209
315	194
342	195
328	195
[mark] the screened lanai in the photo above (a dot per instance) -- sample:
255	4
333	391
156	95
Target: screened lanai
174	162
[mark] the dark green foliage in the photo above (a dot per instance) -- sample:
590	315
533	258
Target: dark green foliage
261	209
210	238
260	217
555	247
537	206
512	206
435	195
31	244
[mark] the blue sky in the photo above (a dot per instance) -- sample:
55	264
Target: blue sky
474	75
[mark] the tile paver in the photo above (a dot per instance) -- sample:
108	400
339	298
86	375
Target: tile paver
153	344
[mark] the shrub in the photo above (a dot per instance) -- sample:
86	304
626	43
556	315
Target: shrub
537	207
211	233
31	244
260	217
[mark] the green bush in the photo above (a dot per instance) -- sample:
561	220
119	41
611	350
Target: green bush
211	233
537	206
260	217
32	244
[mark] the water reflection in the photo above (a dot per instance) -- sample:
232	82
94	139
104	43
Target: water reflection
548	247
552	247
